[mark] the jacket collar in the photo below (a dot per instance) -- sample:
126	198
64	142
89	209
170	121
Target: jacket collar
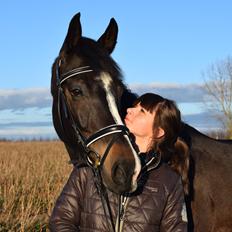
150	160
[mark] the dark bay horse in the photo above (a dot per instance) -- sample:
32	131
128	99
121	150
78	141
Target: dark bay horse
210	174
87	88
88	94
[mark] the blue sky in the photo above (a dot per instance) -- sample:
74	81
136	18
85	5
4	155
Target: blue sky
164	44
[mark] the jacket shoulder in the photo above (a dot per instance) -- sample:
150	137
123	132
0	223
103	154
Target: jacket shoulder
166	176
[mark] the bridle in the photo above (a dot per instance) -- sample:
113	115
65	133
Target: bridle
114	129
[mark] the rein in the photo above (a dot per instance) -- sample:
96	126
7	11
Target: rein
114	129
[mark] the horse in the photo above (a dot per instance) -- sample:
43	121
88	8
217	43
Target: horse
87	88
97	98
210	196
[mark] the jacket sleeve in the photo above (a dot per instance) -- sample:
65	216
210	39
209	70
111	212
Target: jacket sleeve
66	213
174	216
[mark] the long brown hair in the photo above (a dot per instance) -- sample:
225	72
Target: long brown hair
168	117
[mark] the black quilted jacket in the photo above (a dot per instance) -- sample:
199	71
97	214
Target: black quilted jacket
158	205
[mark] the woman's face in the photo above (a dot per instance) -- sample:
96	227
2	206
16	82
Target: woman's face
140	121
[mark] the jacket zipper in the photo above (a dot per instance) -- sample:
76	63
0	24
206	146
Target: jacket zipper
122	209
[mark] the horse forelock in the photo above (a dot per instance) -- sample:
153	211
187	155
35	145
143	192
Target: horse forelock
98	58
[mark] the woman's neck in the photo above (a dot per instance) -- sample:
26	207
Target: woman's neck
143	143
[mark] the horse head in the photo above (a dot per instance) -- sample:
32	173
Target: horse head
87	91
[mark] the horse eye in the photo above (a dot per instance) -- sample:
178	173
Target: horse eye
76	92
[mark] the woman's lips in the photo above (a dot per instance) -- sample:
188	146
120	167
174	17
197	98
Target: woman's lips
126	119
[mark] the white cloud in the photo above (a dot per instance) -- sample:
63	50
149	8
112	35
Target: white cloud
26	113
40	97
180	93
24	98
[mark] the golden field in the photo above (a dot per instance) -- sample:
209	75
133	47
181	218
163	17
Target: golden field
32	174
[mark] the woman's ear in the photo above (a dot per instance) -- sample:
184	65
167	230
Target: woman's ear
159	133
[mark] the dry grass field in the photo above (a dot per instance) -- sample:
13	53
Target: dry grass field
32	174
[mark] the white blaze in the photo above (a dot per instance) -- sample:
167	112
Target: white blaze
106	79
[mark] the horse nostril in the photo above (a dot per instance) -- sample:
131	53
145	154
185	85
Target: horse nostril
121	173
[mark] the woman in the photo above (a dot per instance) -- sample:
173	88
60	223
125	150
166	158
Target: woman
158	203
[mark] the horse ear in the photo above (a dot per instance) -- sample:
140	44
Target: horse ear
109	38
73	35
